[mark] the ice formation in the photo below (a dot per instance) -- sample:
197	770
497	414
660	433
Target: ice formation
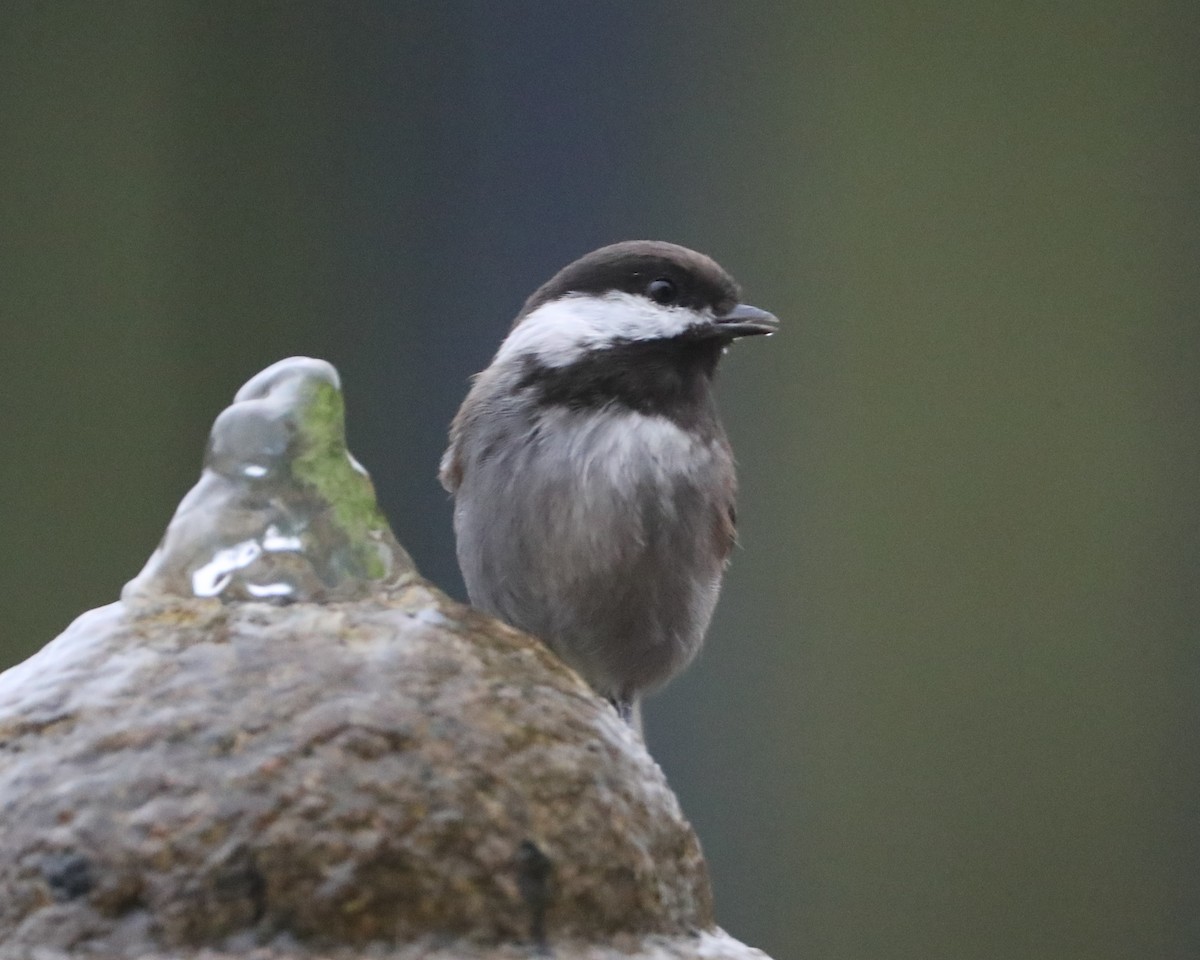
282	512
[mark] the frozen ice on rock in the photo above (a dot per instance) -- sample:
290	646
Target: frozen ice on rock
282	511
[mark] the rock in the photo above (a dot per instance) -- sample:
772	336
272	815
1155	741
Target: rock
359	767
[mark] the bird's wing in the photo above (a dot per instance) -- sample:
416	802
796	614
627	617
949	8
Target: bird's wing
726	529
450	472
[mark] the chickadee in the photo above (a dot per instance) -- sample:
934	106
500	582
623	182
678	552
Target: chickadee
594	485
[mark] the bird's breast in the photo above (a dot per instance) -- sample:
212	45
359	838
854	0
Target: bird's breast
596	531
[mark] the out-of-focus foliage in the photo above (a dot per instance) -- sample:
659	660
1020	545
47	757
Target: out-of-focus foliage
948	705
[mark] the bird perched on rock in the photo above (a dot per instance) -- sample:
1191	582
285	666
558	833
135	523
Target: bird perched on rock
593	482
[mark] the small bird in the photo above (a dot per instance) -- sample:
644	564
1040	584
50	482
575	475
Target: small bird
593	482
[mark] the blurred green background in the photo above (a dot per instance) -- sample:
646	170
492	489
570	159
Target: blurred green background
948	706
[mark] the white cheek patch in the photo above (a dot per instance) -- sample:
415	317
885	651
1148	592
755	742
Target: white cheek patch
560	332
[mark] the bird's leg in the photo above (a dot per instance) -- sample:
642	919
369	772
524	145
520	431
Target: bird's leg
629	709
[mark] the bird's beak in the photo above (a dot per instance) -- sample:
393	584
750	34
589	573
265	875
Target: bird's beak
746	321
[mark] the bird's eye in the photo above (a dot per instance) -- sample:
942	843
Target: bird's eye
662	291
